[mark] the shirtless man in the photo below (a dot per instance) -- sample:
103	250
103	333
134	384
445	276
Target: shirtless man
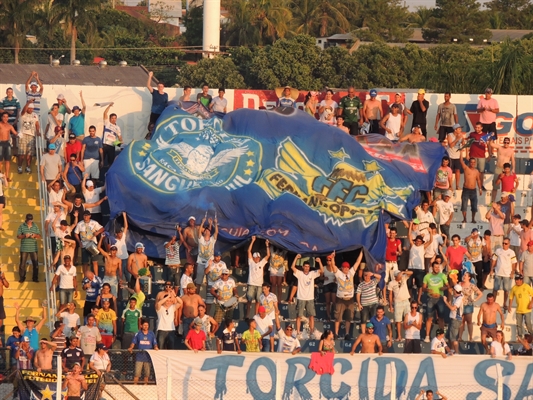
74	383
373	112
472	178
43	356
191	234
340	124
414	137
504	154
136	261
113	266
369	341
489	326
191	301
5	148
168	290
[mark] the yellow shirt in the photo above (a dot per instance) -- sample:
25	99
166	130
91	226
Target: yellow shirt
523	294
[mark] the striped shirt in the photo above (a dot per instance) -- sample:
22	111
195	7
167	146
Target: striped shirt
36	100
11	105
28	245
368	292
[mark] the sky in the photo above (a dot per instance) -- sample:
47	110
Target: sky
413	4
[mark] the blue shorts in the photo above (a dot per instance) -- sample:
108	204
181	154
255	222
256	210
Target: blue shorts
504	283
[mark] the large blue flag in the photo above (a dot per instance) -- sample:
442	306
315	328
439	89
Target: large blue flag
277	174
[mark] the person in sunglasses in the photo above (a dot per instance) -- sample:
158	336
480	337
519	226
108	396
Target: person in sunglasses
369	341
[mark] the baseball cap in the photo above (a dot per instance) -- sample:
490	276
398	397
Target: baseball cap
75	108
72	136
191	217
475	230
86	212
345	264
398	94
89	183
51	146
29	217
421	91
101	346
447	193
198	321
66	257
256	254
139	245
440	331
505	194
60	97
488	90
416	126
33	83
369	325
262	309
518	276
458	288
530	243
373	93
104	298
191	285
397	272
26	339
416	221
217	254
30	105
225	271
113	248
455	126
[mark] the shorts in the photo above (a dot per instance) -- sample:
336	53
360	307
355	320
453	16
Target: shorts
489	330
200	272
3	200
418	276
439	191
5	150
368	312
497	172
390	267
401	308
66	296
277	271
435	304
455	164
92	167
454	329
469	194
141	366
353	126
490	127
306	305
486	267
443	132
26	145
342	305
107	340
86	257
330	288
503	282
253	293
468	309
412	346
480	165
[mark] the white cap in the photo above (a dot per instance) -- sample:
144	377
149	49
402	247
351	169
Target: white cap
458	288
191	217
89	183
256	254
60	97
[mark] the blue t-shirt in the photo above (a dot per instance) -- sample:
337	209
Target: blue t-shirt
34	337
91	294
144	342
286	102
11	343
380	327
159	102
92	147
76	125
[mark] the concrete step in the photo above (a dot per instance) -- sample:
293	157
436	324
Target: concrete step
13	260
16	201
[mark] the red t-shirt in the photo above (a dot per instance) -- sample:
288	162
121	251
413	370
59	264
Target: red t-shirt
508	182
455	257
196	339
73	149
391	254
477	149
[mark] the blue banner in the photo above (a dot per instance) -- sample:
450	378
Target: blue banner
278	174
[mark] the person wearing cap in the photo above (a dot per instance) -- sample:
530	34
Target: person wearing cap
196	338
144	340
73	354
28	233
92	153
29	129
191	234
417	252
86	234
76	123
327	108
496	219
168	310
525	267
206	248
488	108
100	362
190	300
75	382
456	315
213	272
446	116
159	98
508	179
350	108
443	210
478	149
43	356
370	343
474	245
73	147
62	105
439	345
404	111
219	103
112	136
51	165
373	111
106	320
137	261
34	91
503	268
414	137
504	154
223	290
256	266
515	228
263	326
392	123
472	179
54	119
28	327
24	354
92	195
524	304
286	97
172	258
112	266
204	97
399	298
287	342
419	110
507	208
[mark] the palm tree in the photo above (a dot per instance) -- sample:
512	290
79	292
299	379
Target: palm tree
273	18
421	16
16	17
323	15
240	30
74	14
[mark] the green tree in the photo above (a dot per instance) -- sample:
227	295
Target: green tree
273	17
387	20
16	18
421	16
194	23
510	13
457	19
240	31
75	14
243	60
512	72
216	72
321	17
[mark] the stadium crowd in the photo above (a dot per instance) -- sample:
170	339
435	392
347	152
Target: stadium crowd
440	273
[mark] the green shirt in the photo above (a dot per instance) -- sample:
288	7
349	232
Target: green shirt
131	320
435	282
251	342
350	108
28	245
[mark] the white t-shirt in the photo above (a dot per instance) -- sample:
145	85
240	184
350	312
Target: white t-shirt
172	253
87	231
458	302
92	196
498	349
52	217
345	287
255	277
215	271
394	123
27	123
306	284
219	104
268	302
165	318
184	281
66	277
88	338
50	133
444	210
514	234
206	249
425	219
70	320
475	248
453	152
438	345
54	197
328	115
412	332
263	323
224	289
111	133
416	257
504	262
99	362
122	249
400	291
433	248
287	344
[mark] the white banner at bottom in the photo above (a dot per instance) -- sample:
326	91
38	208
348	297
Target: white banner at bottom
277	376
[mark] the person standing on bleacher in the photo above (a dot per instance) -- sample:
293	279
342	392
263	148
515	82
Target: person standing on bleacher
255	276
